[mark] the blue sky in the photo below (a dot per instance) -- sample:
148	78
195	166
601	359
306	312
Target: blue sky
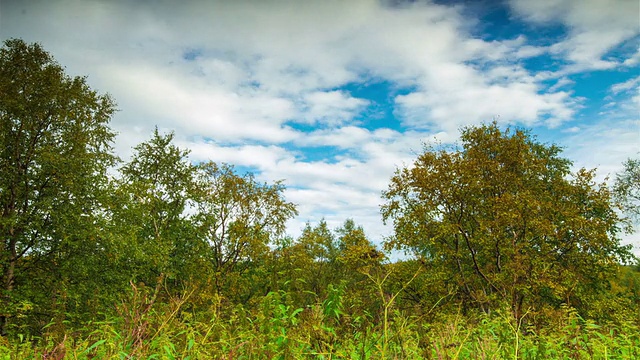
332	96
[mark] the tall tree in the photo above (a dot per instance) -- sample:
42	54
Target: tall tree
627	188
156	237
355	249
358	262
238	218
318	247
504	219
55	149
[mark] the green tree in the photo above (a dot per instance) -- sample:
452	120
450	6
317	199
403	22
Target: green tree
358	261
321	259
237	217
503	219
627	188
55	150
154	237
318	249
356	251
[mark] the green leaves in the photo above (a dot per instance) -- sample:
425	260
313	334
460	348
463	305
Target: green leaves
503	216
237	218
154	231
626	189
55	148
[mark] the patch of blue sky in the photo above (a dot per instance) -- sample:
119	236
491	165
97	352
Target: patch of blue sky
243	170
497	22
303	127
493	20
542	63
322	153
330	154
546	135
624	50
596	86
558	134
380	111
540	35
191	54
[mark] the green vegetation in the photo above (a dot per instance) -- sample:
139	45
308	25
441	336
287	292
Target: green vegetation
509	253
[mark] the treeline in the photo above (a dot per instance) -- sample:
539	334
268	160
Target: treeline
508	251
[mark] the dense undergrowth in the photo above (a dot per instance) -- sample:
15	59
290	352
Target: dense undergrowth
145	329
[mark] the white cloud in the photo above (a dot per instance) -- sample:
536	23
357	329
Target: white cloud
192	106
604	145
289	54
514	102
624	103
573	129
633	60
561	83
255	156
530	51
331	107
631	84
594	27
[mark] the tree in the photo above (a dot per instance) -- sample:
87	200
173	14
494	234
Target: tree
237	217
55	150
318	247
356	250
359	262
627	189
503	219
155	234
321	259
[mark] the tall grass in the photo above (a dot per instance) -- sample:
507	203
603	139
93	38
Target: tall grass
142	328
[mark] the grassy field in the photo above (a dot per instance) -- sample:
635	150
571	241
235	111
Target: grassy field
144	330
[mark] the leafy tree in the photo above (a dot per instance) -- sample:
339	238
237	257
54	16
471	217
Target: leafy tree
154	236
316	256
358	261
237	217
627	188
356	251
503	219
55	149
322	259
319	242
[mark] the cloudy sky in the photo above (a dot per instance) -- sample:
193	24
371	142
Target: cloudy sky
332	96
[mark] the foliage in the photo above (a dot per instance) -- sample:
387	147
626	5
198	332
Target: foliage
237	218
503	219
55	150
277	330
627	188
152	235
